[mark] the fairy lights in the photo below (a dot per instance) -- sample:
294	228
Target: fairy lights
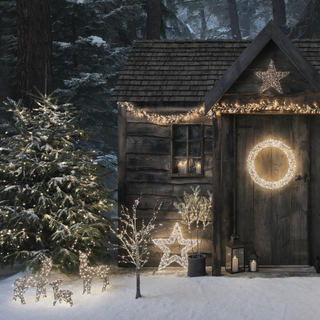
60	295
275	144
263	106
166	258
162	119
87	273
271	78
39	280
219	108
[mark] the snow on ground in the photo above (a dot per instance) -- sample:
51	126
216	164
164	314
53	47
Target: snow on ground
170	294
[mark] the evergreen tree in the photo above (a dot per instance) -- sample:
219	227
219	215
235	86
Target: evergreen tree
51	192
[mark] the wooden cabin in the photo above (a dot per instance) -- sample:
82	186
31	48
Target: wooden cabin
201	113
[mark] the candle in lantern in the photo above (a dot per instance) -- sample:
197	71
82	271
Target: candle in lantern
182	167
198	167
253	265
235	265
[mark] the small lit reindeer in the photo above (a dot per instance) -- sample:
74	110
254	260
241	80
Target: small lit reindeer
87	273
39	280
60	295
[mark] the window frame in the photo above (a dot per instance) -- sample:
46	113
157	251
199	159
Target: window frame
187	157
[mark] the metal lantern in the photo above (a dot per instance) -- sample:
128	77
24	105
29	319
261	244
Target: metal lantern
253	262
235	255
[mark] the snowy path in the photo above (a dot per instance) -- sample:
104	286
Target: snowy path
171	295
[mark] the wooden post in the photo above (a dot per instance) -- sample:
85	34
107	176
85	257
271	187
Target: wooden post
122	156
216	190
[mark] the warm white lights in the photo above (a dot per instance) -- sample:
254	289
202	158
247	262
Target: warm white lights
166	258
162	119
275	144
87	273
271	78
39	280
60	295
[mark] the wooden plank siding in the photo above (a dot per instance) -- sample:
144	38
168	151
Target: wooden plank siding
148	172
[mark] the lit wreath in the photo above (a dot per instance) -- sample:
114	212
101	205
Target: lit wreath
276	144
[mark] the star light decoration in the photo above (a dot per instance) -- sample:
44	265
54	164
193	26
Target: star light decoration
269	184
166	258
271	78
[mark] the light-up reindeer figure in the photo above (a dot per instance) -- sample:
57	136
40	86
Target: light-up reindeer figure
87	273
39	280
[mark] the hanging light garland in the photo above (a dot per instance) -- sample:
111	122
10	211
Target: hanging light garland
162	119
253	173
219	108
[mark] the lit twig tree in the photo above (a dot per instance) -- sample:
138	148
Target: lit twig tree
195	209
134	240
51	192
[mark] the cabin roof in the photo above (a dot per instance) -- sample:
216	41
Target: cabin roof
186	70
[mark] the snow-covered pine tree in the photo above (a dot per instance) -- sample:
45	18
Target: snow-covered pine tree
51	192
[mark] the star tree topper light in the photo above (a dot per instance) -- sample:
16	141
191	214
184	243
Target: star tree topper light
166	258
271	78
253	173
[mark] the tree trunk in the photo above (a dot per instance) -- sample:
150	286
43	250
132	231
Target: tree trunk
34	68
132	28
203	32
234	20
153	19
279	12
138	293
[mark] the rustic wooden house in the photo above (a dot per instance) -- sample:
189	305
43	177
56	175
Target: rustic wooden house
240	118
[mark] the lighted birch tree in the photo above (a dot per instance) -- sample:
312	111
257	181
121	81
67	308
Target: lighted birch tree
134	240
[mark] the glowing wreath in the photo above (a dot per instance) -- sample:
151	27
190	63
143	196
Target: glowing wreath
275	144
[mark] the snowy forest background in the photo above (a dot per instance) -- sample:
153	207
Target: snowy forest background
91	40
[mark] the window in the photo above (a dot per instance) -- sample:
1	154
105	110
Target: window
187	149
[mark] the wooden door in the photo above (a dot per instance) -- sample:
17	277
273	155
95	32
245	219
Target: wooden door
273	221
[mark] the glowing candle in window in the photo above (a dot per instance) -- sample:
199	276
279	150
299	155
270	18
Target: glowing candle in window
182	167
235	264
198	167
253	265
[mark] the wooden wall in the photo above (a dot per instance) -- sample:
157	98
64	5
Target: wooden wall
145	167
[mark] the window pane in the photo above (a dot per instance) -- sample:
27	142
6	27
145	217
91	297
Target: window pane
180	132
194	149
180	149
195	132
180	166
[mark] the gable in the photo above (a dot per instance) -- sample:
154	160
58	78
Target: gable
295	87
270	32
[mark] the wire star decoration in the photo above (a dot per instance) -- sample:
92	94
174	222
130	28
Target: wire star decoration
271	78
166	258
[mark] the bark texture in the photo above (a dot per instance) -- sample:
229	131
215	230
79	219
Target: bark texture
234	22
138	293
34	68
153	19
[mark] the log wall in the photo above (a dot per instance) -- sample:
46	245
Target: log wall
147	156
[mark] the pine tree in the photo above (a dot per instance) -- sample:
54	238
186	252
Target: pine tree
51	192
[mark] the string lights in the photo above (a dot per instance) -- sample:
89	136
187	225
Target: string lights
219	108
166	258
60	295
162	119
87	273
263	106
39	280
271	78
275	144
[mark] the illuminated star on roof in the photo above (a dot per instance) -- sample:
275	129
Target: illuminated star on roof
271	78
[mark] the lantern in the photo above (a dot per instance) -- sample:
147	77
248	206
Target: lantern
253	262
235	255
